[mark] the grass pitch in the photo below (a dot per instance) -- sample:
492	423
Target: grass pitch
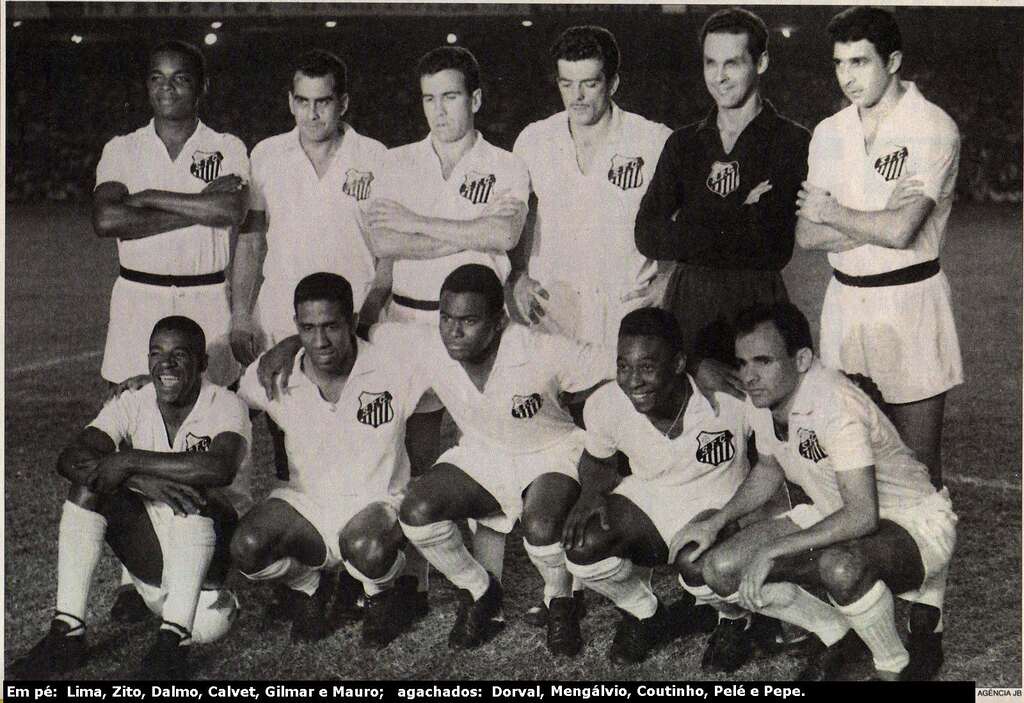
58	278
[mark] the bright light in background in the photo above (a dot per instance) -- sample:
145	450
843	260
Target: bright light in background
76	38
216	25
210	39
527	23
16	23
452	38
330	24
787	32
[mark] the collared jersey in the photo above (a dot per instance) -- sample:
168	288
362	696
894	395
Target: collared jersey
709	454
915	140
355	446
313	222
140	161
584	228
834	427
135	417
412	177
694	209
518	411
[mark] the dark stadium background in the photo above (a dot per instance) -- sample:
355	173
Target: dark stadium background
64	99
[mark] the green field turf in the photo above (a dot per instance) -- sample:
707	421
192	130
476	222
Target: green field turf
58	278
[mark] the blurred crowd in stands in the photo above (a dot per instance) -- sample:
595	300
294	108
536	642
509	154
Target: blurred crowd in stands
62	106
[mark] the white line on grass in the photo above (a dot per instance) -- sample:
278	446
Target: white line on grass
50	363
959	479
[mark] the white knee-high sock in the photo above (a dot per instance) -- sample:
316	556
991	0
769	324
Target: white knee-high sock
374	586
790	603
441	544
296	575
79	547
617	579
126	577
188	552
550	562
703	594
873	618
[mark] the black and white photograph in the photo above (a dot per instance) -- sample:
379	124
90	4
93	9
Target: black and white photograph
596	350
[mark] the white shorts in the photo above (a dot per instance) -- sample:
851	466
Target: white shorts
136	307
670	508
507	476
901	337
330	518
932	524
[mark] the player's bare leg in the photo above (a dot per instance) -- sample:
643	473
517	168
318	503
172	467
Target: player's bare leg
920	426
423	442
371	544
428	515
275	542
546	504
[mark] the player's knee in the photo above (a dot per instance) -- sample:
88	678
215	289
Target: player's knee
721	571
371	554
844	573
541	530
595	547
248	550
418	509
83	497
688	570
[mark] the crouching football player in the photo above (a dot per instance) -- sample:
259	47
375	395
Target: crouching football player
166	507
343	409
876	525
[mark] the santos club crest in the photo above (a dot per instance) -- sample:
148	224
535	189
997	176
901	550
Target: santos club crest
195	443
206	166
476	188
357	184
809	448
627	171
526	406
724	178
715	447
890	166
375	408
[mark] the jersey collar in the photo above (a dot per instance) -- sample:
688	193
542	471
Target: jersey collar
366	362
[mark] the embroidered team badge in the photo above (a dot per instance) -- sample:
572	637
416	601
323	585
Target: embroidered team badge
476	188
809	448
715	448
724	178
357	184
195	443
526	406
890	166
627	172
206	166
375	408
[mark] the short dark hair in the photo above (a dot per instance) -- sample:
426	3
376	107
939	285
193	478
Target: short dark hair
653	322
187	327
477	278
787	318
329	287
319	63
876	25
454	57
191	53
588	42
736	20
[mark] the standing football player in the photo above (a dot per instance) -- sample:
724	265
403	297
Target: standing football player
166	506
879	191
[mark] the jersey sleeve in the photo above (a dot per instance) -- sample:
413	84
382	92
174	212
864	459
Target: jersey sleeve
231	415
111	164
523	149
599	418
257	183
847	433
940	162
580	366
818	161
236	158
520	179
250	391
116	418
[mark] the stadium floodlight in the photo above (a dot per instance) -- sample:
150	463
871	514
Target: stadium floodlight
787	31
76	38
210	39
216	25
16	23
331	24
527	23
452	38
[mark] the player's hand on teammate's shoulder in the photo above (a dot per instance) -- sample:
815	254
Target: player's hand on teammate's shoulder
713	376
757	191
182	499
245	342
133	383
906	191
591	505
275	367
529	297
